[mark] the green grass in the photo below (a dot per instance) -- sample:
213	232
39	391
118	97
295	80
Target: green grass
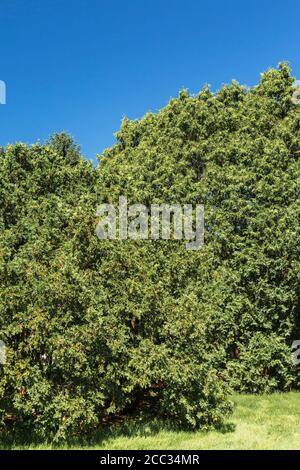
258	422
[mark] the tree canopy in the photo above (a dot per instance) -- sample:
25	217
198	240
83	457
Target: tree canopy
95	328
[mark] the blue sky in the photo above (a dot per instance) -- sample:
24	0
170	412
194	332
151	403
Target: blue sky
81	65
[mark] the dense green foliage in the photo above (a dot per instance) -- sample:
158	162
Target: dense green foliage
238	153
98	328
71	310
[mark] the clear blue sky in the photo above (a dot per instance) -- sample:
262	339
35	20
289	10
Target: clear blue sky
80	65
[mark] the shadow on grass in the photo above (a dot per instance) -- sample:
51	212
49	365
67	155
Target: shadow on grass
132	427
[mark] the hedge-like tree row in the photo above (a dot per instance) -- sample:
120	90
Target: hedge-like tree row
95	328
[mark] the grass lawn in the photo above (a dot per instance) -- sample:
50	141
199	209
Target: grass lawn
258	422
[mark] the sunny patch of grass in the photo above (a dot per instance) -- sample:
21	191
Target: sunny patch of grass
258	422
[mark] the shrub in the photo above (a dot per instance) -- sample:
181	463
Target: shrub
96	329
90	327
237	152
